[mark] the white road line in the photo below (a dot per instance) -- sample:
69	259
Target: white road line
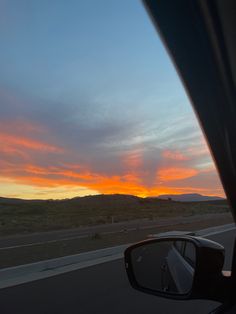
79	237
90	234
42	242
62	239
218	232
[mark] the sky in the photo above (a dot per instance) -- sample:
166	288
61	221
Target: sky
90	103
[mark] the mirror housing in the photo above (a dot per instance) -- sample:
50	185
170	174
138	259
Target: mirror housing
208	281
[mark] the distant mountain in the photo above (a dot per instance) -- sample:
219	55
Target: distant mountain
189	197
118	199
8	200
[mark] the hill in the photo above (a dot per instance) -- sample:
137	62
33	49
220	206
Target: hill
17	216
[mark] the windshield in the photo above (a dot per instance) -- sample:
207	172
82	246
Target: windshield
99	148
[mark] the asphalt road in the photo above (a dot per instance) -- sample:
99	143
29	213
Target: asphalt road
99	289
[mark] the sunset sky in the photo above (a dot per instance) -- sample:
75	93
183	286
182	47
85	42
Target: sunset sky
90	103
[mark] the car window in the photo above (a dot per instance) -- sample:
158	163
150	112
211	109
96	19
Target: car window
99	148
96	130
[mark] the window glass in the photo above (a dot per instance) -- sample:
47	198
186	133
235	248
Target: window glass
99	144
179	245
99	148
190	253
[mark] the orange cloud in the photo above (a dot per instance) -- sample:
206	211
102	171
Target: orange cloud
13	151
49	177
13	140
69	174
133	159
198	151
80	176
21	125
175	155
115	184
172	174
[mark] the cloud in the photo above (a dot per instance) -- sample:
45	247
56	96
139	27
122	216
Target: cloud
172	174
12	141
94	147
80	177
174	155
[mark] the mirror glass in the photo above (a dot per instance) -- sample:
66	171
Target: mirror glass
165	266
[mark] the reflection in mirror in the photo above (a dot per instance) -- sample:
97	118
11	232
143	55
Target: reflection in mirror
165	266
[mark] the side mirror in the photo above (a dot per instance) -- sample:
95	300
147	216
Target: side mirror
178	268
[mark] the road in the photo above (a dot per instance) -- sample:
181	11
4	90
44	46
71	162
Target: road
99	289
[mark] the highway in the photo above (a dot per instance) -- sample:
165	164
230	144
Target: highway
103	289
26	240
